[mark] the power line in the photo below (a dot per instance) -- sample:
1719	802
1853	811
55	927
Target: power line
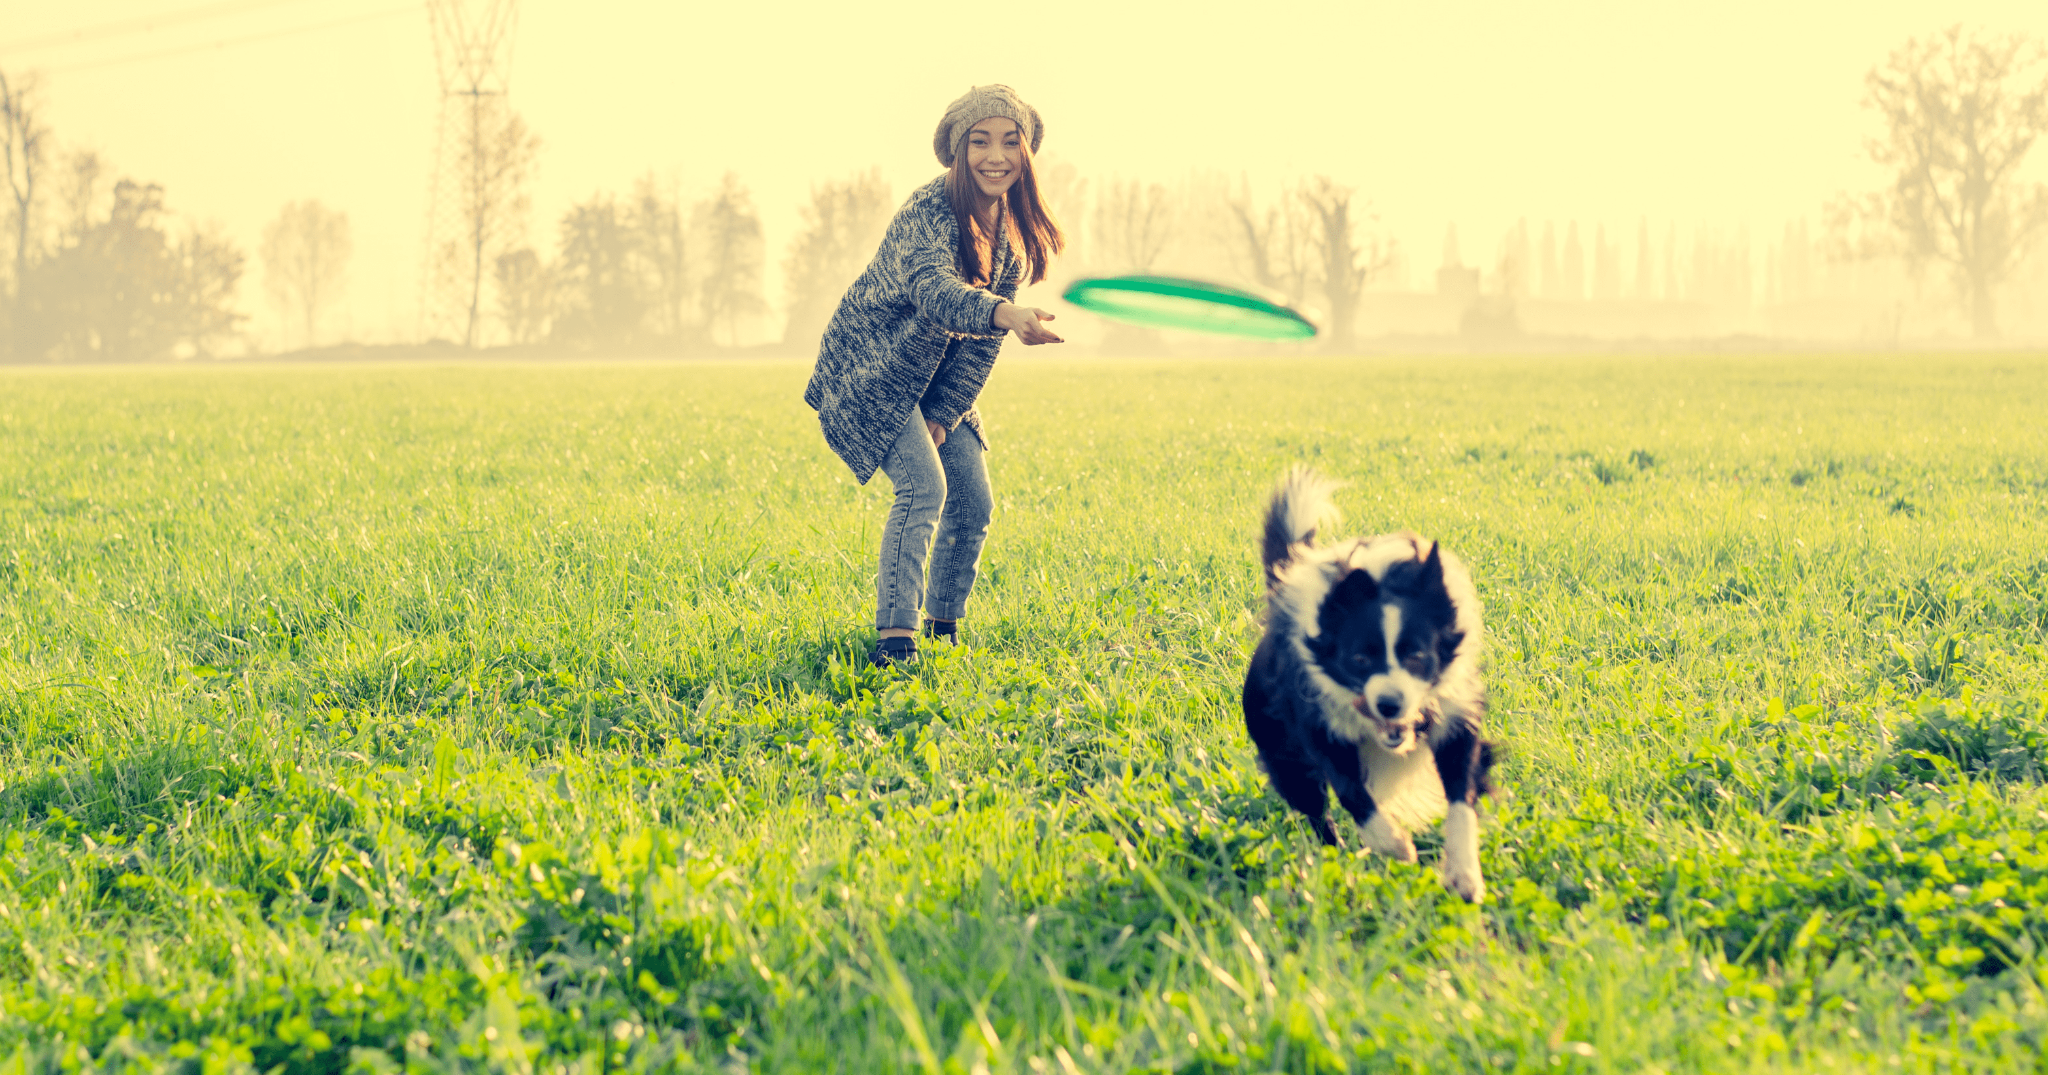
233	41
473	56
139	25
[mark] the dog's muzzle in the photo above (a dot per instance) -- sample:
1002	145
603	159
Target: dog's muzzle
1393	724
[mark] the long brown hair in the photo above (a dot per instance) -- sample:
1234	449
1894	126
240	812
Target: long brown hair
1024	215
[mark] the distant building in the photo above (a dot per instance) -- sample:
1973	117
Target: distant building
1457	283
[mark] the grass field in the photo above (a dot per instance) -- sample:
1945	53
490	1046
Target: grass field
515	718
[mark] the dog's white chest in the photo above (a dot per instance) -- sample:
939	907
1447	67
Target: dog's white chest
1405	787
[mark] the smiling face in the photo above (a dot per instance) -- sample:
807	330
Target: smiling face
995	155
1387	642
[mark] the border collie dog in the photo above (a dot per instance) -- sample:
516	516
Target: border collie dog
1367	683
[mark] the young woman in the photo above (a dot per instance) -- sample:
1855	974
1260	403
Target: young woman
911	344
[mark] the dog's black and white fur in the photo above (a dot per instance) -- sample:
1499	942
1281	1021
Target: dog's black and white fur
1367	683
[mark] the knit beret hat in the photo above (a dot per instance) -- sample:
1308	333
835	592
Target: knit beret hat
980	103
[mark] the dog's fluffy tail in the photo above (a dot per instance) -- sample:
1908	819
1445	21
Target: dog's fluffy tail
1301	506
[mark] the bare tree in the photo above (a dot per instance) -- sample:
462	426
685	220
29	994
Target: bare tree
841	228
305	263
1132	224
1274	246
1961	111
730	238
494	162
24	146
1349	253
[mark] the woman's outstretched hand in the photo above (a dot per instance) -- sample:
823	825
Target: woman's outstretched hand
1025	322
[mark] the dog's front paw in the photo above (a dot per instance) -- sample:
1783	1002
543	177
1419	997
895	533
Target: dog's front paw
1461	853
1467	883
1383	837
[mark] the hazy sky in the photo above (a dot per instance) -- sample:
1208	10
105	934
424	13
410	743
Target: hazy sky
1732	114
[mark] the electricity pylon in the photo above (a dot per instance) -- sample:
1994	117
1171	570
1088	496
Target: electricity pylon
473	55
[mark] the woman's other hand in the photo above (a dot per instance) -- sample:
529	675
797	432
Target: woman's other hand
1025	322
938	432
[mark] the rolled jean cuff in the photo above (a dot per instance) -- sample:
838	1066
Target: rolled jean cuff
896	618
945	610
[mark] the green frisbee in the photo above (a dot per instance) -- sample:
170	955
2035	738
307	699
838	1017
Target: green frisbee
1195	305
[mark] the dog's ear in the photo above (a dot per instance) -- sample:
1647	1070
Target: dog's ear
1435	599
1432	577
1346	599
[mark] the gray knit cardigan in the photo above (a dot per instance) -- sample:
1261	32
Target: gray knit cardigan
910	332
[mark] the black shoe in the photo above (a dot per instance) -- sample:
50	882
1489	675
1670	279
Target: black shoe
892	651
946	629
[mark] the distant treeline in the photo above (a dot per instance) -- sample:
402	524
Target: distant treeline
640	270
98	269
644	271
95	269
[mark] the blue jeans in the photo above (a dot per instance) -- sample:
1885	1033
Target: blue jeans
942	489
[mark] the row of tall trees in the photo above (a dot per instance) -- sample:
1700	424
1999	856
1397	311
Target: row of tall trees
97	268
1959	114
1711	265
